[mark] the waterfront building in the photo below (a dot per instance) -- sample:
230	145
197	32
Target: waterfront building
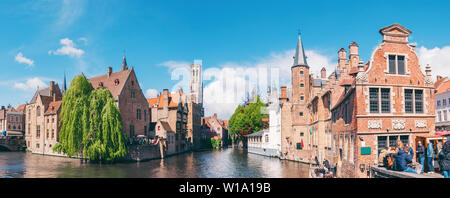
214	127
171	108
361	108
12	121
195	105
42	120
166	136
268	141
387	99
129	98
305	113
442	98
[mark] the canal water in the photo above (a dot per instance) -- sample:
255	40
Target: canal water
226	163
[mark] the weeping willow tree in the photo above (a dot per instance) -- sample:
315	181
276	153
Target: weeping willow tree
74	117
91	123
105	140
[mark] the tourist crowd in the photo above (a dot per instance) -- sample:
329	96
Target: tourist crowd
400	158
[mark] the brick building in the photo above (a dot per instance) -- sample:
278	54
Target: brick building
12	120
305	113
129	98
42	121
170	108
387	99
214	127
349	116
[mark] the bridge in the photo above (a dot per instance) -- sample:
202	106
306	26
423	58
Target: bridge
10	144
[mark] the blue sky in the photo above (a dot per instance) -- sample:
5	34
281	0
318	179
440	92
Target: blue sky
43	39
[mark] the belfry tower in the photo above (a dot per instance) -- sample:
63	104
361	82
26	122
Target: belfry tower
300	75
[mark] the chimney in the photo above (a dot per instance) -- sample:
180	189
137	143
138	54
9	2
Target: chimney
165	98
323	73
354	55
342	58
283	94
109	71
52	84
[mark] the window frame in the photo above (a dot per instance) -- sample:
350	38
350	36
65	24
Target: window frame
396	62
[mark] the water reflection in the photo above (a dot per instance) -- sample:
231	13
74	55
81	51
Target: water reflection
227	163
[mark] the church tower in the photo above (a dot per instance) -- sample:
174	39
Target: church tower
300	75
196	83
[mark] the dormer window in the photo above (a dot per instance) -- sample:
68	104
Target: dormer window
396	64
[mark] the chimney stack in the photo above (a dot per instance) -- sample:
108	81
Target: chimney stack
109	71
165	98
342	58
283	94
354	54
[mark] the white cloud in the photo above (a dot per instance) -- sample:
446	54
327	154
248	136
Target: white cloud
68	49
227	85
175	65
84	39
151	93
30	84
438	58
22	59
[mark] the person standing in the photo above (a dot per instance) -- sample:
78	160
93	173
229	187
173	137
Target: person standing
420	150
444	159
430	157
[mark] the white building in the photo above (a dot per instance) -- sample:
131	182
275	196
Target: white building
442	98
268	141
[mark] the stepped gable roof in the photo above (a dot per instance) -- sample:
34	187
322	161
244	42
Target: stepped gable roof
53	107
109	82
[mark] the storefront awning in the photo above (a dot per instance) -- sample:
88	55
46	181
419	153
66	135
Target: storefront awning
442	133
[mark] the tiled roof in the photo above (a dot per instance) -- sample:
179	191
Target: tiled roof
443	87
53	107
21	107
439	82
173	100
109	82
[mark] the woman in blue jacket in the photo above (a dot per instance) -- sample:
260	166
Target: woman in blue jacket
402	159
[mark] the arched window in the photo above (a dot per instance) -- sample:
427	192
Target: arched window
301	72
302	85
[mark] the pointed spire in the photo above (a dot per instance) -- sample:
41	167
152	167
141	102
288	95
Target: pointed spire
300	57
64	84
124	62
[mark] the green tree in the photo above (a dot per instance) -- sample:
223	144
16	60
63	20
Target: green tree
91	123
247	118
74	117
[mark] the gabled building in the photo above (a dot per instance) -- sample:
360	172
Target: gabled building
12	120
171	108
442	86
361	108
130	99
42	120
214	127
